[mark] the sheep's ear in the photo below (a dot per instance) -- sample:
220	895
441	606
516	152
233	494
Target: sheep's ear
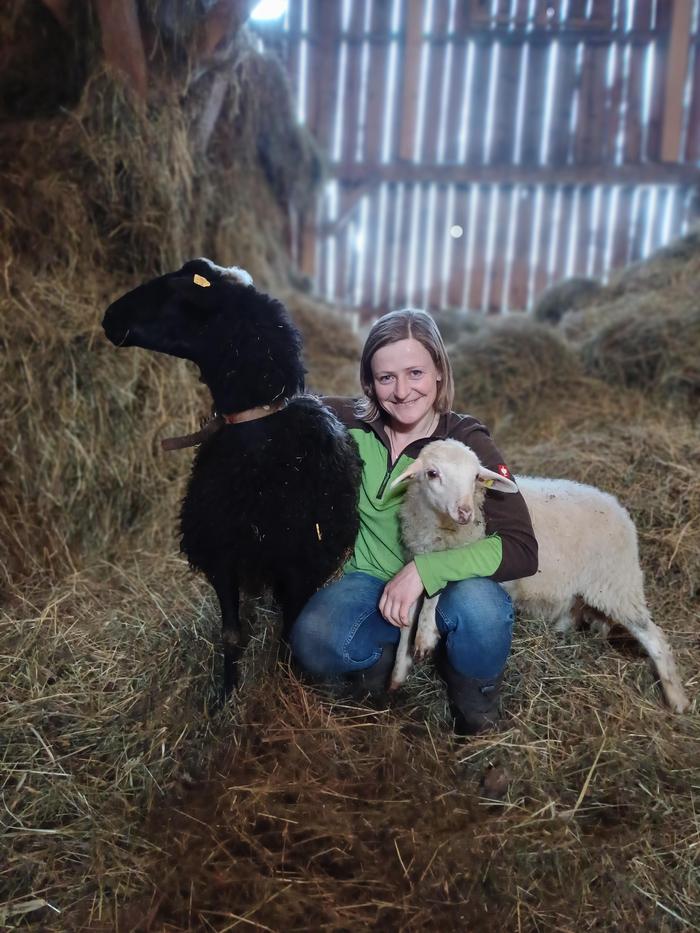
495	481
407	474
195	288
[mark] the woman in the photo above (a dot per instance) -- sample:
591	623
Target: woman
349	630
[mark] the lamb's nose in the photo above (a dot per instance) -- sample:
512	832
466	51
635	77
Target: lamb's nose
464	515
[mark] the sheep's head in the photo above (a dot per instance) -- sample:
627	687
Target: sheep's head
242	340
449	476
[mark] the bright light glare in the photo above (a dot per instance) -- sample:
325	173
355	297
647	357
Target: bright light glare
269	9
456	231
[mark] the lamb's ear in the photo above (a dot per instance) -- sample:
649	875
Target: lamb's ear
495	481
407	474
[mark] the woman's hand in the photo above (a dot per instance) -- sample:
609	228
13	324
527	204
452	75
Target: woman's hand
400	594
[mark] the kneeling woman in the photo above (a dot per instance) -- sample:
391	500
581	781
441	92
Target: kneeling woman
349	630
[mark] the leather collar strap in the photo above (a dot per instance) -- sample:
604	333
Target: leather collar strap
252	414
217	422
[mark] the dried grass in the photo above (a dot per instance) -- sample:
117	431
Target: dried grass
129	806
93	202
127	802
567	295
647	345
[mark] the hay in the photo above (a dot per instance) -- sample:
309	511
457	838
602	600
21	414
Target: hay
454	324
567	295
330	347
93	202
514	360
128	804
130	807
79	451
664	270
655	349
516	373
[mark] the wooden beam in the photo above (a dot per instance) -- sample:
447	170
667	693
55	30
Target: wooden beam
504	35
359	181
324	48
648	173
411	69
122	41
676	71
307	244
212	108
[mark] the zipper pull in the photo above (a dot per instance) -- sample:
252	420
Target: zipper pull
380	492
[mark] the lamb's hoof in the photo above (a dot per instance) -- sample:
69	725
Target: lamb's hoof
600	628
399	674
676	698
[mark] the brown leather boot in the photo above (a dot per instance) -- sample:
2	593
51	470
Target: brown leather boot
474	702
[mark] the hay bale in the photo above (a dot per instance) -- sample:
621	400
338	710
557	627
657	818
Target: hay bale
645	344
331	346
79	451
514	359
567	295
675	262
454	324
516	371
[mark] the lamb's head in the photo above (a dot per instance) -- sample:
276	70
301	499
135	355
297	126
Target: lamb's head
248	351
450	478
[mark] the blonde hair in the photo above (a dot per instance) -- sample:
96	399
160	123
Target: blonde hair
402	325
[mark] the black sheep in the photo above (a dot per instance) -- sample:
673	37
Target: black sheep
272	496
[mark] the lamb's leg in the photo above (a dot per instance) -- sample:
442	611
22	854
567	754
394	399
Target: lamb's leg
598	622
427	635
227	591
403	661
568	615
654	642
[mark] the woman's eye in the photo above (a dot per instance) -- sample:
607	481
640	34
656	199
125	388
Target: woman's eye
384	380
416	373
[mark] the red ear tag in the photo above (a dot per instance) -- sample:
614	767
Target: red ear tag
503	470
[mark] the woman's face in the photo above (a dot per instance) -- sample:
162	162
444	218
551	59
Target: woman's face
405	382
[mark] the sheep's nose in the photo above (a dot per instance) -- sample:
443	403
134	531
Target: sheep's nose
464	515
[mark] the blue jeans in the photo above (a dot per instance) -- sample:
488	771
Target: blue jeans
340	630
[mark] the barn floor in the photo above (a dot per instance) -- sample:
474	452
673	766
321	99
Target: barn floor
131	805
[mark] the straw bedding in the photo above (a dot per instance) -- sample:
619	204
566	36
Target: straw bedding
127	802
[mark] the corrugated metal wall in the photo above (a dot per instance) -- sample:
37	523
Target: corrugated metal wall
481	150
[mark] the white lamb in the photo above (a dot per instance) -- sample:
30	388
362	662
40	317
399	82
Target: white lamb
588	557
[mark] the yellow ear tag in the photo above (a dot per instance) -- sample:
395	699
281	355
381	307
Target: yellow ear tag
200	280
488	482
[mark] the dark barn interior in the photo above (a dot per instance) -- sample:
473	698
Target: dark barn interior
525	170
